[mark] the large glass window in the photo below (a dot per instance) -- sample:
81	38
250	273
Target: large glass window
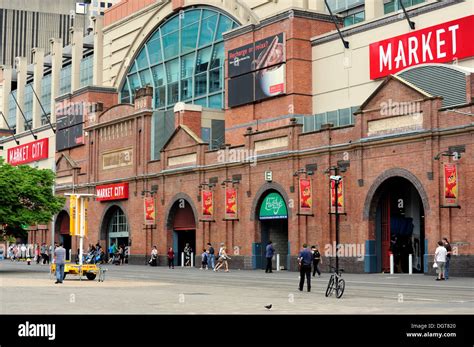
12	109
46	97
183	60
86	71
28	106
393	5
65	80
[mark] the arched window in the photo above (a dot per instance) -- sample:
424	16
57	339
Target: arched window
118	222
183	60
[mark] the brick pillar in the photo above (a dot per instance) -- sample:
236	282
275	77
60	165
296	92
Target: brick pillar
189	115
144	98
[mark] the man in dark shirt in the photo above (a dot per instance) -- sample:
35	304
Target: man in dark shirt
305	258
269	252
211	255
448	247
60	259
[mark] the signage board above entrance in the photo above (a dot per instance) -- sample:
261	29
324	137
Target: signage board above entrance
437	44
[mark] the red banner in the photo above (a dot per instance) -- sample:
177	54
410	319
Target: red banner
450	185
231	203
108	192
340	197
207	204
440	43
149	210
29	152
306	196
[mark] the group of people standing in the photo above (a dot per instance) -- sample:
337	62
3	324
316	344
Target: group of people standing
209	260
22	251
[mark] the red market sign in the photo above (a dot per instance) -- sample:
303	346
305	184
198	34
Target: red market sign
437	44
108	192
29	152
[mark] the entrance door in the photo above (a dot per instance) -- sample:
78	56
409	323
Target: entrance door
183	237
385	235
275	230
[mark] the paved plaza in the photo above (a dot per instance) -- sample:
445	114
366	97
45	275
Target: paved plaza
133	289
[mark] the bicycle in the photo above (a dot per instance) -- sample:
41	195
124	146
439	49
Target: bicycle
336	283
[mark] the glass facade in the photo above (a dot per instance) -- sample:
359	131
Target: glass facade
86	71
354	18
342	5
28	106
65	80
45	97
338	118
12	110
183	60
394	5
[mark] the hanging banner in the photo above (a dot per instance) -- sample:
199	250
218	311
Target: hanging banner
149	209
85	201
207	205
306	196
72	214
450	185
230	203
340	197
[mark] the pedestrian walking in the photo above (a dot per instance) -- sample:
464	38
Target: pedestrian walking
59	259
440	260
449	250
305	258
316	260
204	262
222	260
212	257
170	258
269	252
23	251
154	257
37	253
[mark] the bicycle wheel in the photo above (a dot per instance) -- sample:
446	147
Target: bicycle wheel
341	284
330	287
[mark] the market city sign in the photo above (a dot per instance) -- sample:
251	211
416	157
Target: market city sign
118	191
445	42
29	152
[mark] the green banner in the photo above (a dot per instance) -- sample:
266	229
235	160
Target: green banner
273	207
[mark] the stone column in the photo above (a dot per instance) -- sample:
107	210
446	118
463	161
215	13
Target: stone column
98	65
21	66
6	86
38	67
77	37
56	51
373	9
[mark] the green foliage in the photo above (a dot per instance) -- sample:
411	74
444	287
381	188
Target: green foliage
26	196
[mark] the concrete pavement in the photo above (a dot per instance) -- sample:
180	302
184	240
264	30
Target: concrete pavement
146	290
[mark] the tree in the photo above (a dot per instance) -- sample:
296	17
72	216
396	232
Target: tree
26	196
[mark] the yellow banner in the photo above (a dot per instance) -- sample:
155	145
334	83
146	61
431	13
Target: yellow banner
85	202
73	205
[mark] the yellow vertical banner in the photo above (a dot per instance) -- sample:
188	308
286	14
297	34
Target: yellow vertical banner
85	202
72	214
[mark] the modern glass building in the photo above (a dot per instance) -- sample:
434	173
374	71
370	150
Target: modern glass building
183	60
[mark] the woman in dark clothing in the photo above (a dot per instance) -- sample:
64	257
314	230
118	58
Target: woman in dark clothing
316	260
171	258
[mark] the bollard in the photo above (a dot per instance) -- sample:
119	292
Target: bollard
192	259
410	264
182	259
70	252
391	264
278	262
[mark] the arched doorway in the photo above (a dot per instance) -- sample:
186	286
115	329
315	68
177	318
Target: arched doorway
61	233
399	225
272	214
115	228
182	221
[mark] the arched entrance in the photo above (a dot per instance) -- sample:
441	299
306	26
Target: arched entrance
61	232
182	221
272	214
399	217
115	227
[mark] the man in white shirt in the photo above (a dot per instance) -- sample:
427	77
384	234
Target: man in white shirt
440	260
